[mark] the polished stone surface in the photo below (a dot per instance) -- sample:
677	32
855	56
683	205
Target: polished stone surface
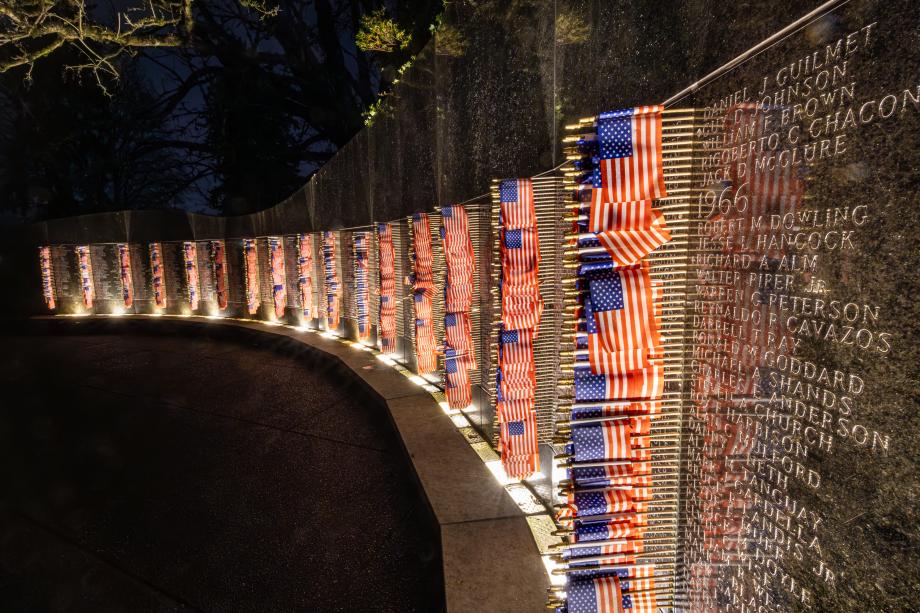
815	503
155	473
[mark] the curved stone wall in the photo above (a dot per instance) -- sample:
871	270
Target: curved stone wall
784	387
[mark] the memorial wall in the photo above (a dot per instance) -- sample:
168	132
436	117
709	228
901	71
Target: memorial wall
689	328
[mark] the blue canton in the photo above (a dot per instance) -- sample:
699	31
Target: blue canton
590	387
614	133
507	190
589	443
607	293
513	239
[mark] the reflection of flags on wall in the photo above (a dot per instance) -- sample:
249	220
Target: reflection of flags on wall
124	268
602	361
156	273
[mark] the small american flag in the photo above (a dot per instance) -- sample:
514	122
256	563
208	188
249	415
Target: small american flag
616	362
85	264
629	231
602	441
124	265
595	595
629	143
362	313
520	257
459	257
276	265
602	532
520	456
586	503
156	272
219	270
333	289
190	254
305	274
424	257
621	301
516	347
457	336
251	263
594	477
644	383
44	260
514	410
387	320
456	381
425	343
522	307
621	547
517	205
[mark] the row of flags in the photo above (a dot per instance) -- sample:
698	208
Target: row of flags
47	270
521	309
218	259
251	275
157	275
362	308
610	493
386	321
305	275
423	288
124	268
85	266
460	261
276	268
190	261
332	286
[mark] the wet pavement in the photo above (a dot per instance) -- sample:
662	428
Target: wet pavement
157	473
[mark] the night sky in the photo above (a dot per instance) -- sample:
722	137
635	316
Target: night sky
230	122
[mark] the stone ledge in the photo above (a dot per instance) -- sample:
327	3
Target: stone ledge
490	560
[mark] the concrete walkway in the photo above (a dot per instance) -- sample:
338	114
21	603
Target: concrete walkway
145	473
